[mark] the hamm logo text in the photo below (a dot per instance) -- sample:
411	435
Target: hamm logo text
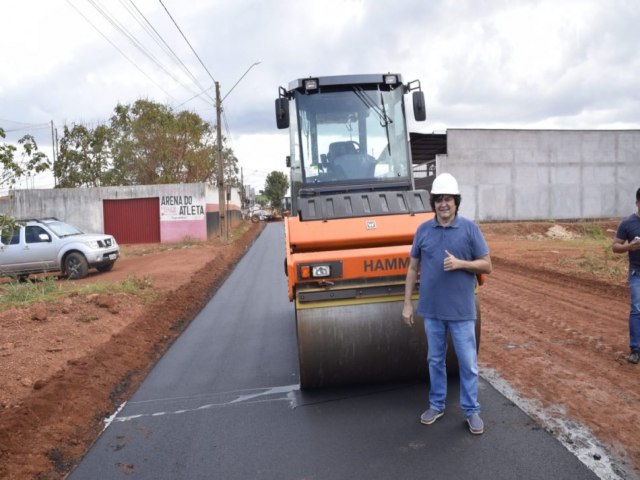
386	264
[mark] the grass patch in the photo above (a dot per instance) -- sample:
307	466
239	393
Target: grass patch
140	250
49	289
595	256
239	231
132	285
592	231
135	250
18	293
604	263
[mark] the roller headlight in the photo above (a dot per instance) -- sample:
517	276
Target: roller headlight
328	269
310	84
320	271
390	79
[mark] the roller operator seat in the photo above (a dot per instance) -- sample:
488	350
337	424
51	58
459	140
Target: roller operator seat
344	160
338	149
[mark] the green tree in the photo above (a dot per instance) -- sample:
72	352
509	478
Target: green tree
152	144
230	166
31	162
261	199
275	188
7	226
145	143
85	158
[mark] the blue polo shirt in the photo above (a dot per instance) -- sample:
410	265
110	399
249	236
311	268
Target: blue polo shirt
447	295
628	229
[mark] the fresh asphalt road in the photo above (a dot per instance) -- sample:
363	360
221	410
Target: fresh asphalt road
223	403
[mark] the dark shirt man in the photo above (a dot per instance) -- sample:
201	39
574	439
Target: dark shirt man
627	240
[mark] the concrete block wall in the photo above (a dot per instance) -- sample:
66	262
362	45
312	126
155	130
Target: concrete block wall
509	175
83	207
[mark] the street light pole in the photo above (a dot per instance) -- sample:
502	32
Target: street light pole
221	186
222	190
243	75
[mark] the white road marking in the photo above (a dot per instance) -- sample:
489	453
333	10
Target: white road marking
270	394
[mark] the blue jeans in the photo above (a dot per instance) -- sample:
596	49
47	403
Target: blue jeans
634	312
463	335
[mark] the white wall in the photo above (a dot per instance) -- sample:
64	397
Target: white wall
83	208
544	174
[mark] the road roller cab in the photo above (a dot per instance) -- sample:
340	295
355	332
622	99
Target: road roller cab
354	214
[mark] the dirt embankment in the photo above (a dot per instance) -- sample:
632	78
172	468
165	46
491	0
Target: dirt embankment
66	366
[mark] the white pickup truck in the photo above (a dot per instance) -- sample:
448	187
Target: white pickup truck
50	245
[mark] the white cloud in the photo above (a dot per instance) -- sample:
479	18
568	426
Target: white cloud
490	64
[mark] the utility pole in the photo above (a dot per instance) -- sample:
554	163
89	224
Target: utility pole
225	223
242	192
227	216
222	193
54	141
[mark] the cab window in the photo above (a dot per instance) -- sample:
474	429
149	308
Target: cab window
10	237
32	234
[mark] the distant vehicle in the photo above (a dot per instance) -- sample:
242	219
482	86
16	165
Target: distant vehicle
50	245
265	215
258	216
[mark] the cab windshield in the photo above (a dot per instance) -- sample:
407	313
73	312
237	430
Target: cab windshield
62	229
354	136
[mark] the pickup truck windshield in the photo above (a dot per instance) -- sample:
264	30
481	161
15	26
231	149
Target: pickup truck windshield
62	229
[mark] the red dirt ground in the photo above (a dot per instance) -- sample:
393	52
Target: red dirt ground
554	326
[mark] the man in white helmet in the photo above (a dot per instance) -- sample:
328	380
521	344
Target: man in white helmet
448	252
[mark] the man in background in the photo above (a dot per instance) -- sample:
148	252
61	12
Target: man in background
627	240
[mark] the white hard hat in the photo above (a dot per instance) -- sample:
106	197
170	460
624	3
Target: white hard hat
445	184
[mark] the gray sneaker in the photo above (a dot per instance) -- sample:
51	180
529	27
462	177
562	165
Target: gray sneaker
430	416
476	425
634	357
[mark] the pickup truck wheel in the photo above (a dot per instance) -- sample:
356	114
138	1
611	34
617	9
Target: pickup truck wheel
75	266
105	268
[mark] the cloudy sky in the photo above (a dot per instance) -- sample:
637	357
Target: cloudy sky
559	64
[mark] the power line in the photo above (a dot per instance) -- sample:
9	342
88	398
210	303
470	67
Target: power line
26	126
230	140
196	96
167	49
12	130
185	39
120	51
135	42
226	125
21	123
156	37
243	75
